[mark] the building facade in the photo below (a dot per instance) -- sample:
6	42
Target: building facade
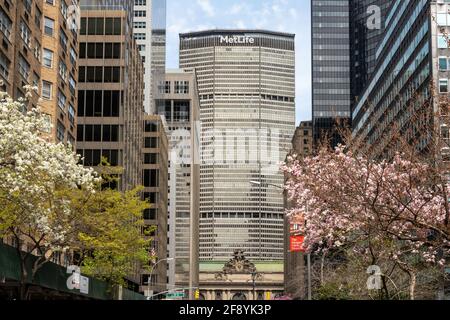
345	38
155	182
330	26
177	100
412	55
246	81
40	49
110	94
149	28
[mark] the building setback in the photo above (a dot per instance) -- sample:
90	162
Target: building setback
177	100
149	28
110	92
246	81
155	176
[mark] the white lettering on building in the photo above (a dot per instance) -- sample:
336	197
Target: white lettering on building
237	39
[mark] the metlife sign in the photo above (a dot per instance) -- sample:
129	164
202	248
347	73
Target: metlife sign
237	40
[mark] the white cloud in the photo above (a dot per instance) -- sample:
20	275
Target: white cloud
207	7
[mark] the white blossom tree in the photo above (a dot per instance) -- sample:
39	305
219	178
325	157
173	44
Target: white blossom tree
36	177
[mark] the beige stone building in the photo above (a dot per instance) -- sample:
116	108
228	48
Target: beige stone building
302	142
177	100
155	175
110	92
241	279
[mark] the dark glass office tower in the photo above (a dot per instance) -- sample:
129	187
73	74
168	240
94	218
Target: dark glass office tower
365	36
345	37
330	66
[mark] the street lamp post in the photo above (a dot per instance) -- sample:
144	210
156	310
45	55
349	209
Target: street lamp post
151	273
308	257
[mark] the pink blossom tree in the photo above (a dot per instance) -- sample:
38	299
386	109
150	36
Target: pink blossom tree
383	210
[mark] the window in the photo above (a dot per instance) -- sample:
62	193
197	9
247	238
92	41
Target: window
73	56
82	50
64	9
72	85
71	114
61	100
83	22
442	42
25	33
46	90
27	4
443	63
48	58
140	2
443	85
52	2
140	24
150	178
141	47
150	143
80	103
24	67
150	126
37	50
140	13
150	158
35	80
139	36
62	70
182	87
38	18
5	24
4	65
99	50
60	131
70	139
49	26
117	26
110	133
63	40
164	87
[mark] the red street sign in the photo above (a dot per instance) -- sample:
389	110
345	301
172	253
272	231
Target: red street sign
296	244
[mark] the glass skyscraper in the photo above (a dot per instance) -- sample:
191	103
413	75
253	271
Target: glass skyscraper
345	36
407	62
246	81
330	66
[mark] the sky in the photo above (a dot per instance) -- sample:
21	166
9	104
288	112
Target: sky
291	16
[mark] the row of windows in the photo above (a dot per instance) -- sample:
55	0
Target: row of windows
99	74
93	158
101	26
100	50
98	133
99	103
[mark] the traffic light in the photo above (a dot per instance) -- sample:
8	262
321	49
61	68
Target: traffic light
197	294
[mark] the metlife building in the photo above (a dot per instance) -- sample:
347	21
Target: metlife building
246	81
